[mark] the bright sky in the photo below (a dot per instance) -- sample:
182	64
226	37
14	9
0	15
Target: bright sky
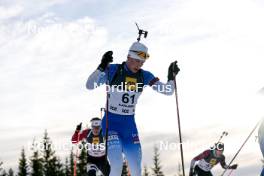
49	48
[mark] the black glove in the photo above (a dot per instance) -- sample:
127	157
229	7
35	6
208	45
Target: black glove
79	127
234	166
173	70
191	173
106	59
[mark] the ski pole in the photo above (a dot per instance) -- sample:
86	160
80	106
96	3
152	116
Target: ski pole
230	173
76	157
106	110
179	125
240	148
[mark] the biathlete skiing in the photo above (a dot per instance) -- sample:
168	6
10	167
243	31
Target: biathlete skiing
97	162
202	164
126	83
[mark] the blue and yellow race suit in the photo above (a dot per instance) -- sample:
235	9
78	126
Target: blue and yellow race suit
125	87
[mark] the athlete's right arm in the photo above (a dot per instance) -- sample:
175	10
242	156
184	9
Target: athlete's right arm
96	79
78	136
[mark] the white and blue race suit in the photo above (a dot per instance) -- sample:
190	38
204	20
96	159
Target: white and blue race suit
261	141
125	89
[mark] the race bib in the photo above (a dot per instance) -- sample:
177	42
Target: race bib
96	150
123	102
213	162
131	83
96	140
205	166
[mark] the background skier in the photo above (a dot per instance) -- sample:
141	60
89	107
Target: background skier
96	158
207	160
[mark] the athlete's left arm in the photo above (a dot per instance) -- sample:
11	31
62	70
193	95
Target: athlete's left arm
164	88
223	163
225	166
157	85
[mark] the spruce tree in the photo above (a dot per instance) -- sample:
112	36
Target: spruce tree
145	171
124	169
71	162
10	172
36	162
49	158
67	170
23	166
157	165
2	171
82	161
59	167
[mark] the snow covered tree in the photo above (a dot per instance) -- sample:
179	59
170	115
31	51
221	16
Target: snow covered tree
82	161
67	170
71	162
36	162
10	172
49	158
1	163
157	164
145	171
23	166
125	169
2	171
59	167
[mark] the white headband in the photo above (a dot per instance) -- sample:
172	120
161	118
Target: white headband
96	123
